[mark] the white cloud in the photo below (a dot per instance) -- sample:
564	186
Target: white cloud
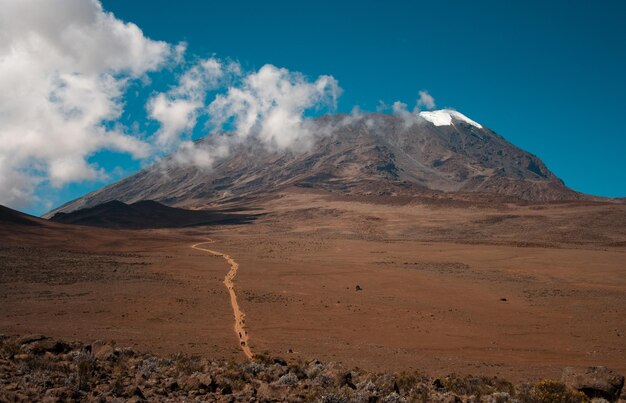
409	117
266	106
400	109
270	105
177	109
425	100
64	65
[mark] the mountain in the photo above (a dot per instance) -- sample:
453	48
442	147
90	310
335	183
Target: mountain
438	151
10	217
147	214
20	228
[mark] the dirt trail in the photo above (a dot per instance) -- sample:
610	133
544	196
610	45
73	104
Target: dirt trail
240	329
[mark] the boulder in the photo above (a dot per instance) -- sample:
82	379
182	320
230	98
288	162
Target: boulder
102	351
594	382
30	338
200	382
346	379
134	392
280	361
171	385
60	393
41	347
438	385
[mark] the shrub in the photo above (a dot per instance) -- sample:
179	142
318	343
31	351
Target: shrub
406	381
394	397
334	398
477	385
499	397
187	365
264	358
253	368
550	392
289	379
85	367
33	363
9	348
324	381
149	366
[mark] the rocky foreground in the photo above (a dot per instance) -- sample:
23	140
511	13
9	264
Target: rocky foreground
38	368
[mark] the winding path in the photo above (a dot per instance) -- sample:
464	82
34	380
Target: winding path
240	328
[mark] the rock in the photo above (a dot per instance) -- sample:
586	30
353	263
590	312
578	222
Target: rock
451	398
227	390
270	392
102	389
135	392
202	383
192	383
594	382
346	379
438	384
298	371
358	288
30	338
126	351
79	395
60	393
499	397
171	385
249	391
47	345
280	361
102	351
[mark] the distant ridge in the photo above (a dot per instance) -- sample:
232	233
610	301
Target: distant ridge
147	214
10	216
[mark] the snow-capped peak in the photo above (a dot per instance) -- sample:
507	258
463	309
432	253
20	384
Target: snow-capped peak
443	117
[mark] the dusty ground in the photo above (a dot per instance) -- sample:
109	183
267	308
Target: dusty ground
519	291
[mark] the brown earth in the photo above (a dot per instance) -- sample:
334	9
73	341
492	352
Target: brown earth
444	285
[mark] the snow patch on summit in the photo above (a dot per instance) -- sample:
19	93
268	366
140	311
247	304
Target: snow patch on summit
443	117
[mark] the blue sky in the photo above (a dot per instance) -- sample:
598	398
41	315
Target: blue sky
548	76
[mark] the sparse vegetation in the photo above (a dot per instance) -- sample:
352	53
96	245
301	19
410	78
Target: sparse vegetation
551	392
85	364
477	385
33	370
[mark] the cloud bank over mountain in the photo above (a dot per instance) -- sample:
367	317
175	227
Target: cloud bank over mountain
66	67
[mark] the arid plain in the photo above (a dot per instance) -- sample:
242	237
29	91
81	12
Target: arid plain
436	284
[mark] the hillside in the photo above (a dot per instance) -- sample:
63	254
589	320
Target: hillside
147	214
371	154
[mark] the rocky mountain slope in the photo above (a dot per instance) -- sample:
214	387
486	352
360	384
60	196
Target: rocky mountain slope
441	151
